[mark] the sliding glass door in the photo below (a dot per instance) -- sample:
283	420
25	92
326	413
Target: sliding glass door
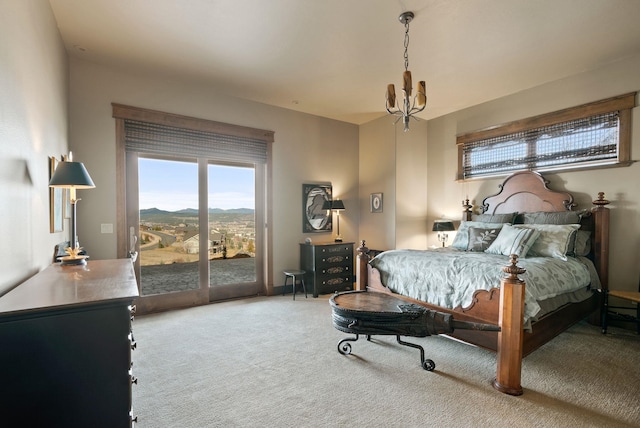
233	265
192	204
188	254
169	227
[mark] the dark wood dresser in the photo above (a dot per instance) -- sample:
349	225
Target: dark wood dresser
66	342
328	266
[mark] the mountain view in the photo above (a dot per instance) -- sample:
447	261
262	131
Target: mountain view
172	236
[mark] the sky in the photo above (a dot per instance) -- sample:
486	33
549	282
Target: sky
173	186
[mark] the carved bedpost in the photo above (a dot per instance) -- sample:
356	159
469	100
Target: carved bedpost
601	239
362	260
510	337
466	213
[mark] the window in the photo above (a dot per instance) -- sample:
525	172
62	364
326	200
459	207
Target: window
593	135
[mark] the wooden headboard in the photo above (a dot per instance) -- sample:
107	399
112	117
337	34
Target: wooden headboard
526	192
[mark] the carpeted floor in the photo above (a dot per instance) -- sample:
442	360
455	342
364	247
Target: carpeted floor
273	362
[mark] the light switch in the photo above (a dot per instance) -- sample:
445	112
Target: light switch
106	228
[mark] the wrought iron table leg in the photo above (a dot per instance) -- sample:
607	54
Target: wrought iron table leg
427	364
344	347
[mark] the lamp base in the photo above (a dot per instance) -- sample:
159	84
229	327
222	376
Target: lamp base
70	261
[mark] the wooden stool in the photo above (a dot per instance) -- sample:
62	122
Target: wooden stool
631	296
295	275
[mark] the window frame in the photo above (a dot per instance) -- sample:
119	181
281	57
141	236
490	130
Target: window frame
263	172
621	104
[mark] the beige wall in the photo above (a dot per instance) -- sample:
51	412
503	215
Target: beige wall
33	126
444	195
307	149
393	162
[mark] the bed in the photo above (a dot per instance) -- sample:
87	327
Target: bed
533	287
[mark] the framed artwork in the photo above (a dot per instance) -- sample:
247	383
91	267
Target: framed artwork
56	202
376	202
314	218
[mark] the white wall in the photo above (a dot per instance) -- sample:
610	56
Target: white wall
33	126
307	149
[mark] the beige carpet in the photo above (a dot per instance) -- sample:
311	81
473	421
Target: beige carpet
273	362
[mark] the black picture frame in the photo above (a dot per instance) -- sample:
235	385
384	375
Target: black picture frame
314	218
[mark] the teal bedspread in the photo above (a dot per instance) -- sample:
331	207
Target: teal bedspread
448	277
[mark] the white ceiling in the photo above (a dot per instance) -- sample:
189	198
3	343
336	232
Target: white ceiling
334	58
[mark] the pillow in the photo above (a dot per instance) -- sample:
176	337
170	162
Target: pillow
555	240
495	218
582	245
513	240
559	217
461	240
480	239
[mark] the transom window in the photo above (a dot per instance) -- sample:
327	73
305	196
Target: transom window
588	136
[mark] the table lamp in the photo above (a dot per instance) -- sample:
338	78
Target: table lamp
335	205
442	227
72	175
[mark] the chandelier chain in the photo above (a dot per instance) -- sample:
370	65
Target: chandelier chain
406	46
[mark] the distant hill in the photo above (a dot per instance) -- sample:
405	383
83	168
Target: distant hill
156	215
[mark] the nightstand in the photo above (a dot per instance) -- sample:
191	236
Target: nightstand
328	266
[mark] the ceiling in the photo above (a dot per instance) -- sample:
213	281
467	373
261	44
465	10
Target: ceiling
334	58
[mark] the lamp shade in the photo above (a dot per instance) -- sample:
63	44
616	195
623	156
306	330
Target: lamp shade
443	226
71	174
335	205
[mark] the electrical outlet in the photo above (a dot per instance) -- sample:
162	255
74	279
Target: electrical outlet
106	228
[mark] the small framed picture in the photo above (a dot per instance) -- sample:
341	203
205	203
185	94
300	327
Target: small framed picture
376	202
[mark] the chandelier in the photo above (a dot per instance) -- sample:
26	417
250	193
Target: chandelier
406	107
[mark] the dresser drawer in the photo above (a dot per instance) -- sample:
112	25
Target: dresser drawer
325	262
333	269
332	283
333	250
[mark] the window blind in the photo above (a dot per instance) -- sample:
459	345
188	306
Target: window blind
589	140
152	138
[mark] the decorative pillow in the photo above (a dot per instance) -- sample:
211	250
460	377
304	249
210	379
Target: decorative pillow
461	240
559	217
582	245
513	240
480	239
555	240
495	218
